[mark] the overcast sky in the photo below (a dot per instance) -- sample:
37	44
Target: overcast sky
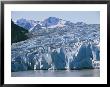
89	17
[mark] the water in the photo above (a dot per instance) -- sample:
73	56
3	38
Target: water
58	73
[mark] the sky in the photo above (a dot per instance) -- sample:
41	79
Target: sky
89	17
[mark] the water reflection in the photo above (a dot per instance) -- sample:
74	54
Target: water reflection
58	73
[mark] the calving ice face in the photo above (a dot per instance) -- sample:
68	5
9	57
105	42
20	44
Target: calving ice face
55	42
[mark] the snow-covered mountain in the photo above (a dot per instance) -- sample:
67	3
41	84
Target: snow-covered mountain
72	46
53	22
50	21
27	24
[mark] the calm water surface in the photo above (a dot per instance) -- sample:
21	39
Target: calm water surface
58	73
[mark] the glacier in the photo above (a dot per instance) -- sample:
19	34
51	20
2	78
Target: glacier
55	59
72	46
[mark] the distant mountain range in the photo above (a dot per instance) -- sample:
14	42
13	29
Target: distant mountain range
50	22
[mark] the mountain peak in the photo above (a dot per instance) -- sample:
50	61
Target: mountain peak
27	24
50	21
